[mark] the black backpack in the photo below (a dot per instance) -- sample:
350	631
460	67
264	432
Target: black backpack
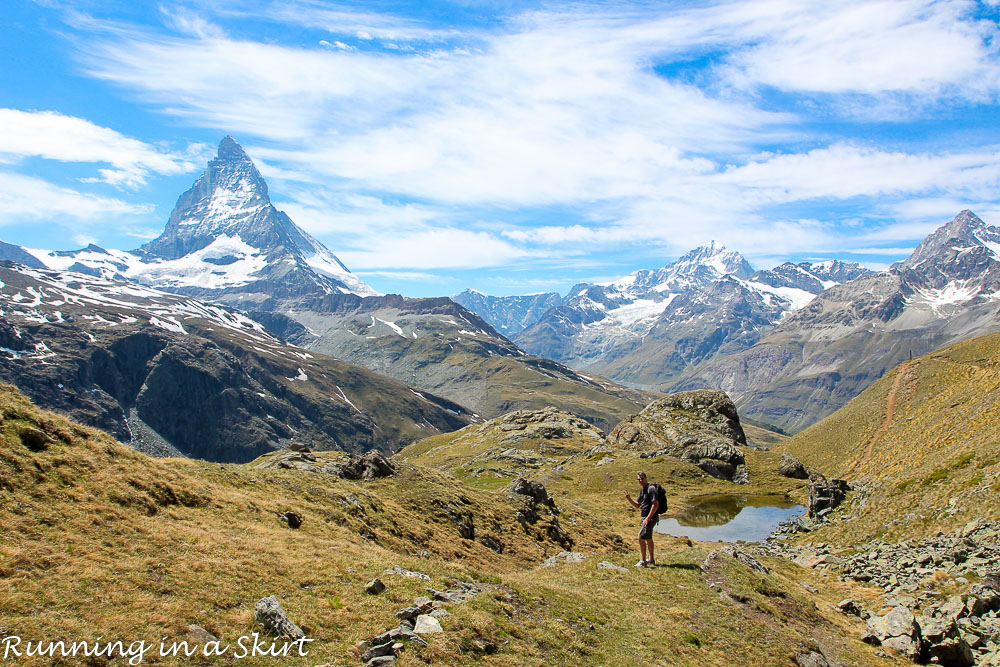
661	499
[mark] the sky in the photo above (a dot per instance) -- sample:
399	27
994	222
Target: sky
512	147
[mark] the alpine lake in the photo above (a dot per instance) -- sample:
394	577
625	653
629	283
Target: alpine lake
729	517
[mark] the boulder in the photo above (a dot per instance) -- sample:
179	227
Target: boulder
272	617
825	494
534	490
367	466
789	466
564	557
897	630
293	519
943	643
699	426
427	624
374	587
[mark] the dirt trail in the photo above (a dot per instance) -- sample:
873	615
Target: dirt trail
890	409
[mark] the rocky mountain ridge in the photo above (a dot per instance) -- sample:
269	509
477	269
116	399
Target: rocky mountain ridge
172	375
226	243
823	355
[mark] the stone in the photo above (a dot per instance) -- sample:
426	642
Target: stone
272	617
943	643
897	630
606	565
293	519
850	607
409	613
378	651
427	624
738	555
564	557
789	466
811	659
700	426
440	613
34	439
368	466
374	587
824	493
381	661
396	569
200	635
423	602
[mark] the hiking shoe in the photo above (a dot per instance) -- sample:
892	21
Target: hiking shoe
641	563
651	563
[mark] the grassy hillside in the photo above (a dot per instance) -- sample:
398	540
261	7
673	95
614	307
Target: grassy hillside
924	439
99	540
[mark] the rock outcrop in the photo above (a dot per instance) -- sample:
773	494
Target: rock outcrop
699	426
789	466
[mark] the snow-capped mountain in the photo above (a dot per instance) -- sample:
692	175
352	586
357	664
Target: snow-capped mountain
226	243
508	314
224	240
826	353
708	301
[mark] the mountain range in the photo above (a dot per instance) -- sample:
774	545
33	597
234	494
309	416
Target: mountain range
225	244
790	344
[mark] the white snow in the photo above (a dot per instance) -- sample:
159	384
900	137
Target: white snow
956	291
796	298
391	325
170	324
640	309
301	377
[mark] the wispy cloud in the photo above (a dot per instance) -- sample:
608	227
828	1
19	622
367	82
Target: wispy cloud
409	144
54	136
26	198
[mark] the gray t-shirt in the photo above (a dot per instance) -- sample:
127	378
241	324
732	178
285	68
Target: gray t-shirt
646	499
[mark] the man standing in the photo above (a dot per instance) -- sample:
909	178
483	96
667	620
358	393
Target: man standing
648	506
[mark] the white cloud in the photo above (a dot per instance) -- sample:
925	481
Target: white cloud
871	47
53	136
434	249
24	198
843	171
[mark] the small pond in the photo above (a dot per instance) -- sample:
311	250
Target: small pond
729	517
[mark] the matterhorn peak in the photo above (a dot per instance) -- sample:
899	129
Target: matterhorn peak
229	150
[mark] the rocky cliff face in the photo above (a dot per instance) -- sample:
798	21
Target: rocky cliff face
171	375
698	426
508	314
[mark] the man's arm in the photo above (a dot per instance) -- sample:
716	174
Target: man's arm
628	497
652	512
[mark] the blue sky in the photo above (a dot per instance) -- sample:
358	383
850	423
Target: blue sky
513	147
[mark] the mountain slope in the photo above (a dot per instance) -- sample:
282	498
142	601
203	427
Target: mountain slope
922	440
173	375
825	354
102	541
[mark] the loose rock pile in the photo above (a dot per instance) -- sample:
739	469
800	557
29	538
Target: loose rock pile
963	629
421	618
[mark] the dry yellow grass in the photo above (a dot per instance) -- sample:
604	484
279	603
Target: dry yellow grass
924	438
98	540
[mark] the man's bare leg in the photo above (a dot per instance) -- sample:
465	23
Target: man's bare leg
649	547
642	548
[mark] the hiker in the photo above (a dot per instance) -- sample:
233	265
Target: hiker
649	505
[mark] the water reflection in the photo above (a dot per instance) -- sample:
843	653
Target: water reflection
729	517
